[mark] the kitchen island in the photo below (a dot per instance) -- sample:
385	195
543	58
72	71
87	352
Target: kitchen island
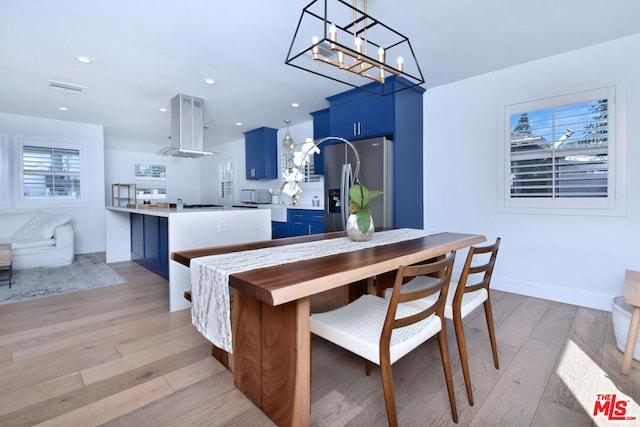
185	229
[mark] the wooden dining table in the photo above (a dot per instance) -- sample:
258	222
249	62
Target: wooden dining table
271	309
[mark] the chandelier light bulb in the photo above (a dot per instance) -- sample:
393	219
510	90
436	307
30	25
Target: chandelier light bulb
333	33
358	43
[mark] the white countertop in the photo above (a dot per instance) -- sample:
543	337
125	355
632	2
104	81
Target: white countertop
166	212
283	205
311	208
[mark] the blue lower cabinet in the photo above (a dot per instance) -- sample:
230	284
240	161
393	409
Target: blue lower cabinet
150	243
137	236
279	229
300	222
303	222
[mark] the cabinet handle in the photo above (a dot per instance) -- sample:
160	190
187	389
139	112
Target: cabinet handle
354	129
358	128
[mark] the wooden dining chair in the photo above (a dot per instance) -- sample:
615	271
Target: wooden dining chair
384	330
471	291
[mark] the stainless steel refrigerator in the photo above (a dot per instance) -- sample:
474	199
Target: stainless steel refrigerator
376	173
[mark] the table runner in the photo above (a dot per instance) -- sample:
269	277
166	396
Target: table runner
210	312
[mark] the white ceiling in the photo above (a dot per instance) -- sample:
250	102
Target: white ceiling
147	51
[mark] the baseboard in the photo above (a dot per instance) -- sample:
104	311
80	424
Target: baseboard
577	297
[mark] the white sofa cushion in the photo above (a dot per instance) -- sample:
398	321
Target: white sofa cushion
12	222
40	226
27	244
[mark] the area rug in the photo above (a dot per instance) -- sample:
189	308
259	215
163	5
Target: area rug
86	272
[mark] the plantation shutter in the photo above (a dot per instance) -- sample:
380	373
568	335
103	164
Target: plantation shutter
50	172
561	152
151	180
226	175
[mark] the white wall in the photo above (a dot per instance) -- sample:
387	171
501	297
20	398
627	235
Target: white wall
235	150
88	218
184	176
568	258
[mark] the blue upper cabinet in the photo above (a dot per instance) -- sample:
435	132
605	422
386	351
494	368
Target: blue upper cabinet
320	130
261	153
358	114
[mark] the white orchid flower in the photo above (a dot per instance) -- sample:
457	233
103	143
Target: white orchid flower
291	188
293	175
301	158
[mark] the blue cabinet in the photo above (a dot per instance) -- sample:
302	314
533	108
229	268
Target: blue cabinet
300	222
358	114
320	130
137	236
279	230
303	222
150	243
261	153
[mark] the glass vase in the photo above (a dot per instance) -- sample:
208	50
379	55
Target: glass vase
355	233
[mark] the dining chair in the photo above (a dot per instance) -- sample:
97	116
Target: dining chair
471	291
384	330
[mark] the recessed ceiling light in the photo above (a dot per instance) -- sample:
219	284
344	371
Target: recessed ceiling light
84	59
209	81
238	123
63	109
162	109
295	105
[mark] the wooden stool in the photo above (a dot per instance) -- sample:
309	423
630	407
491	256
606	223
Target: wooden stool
631	297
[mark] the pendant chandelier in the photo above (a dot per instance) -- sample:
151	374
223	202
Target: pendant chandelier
336	40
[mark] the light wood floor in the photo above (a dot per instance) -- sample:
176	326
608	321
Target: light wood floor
116	356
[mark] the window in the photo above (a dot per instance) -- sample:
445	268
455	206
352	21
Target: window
50	172
4	169
226	178
308	170
560	153
151	181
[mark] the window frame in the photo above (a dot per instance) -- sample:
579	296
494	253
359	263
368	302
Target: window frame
4	166
142	182
614	204
231	183
21	200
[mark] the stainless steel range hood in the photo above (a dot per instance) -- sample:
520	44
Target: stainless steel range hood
187	128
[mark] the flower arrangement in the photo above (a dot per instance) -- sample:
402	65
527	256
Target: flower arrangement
294	175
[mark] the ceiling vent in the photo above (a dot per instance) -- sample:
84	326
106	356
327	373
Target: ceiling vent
66	87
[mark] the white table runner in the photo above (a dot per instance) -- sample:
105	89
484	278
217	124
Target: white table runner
210	312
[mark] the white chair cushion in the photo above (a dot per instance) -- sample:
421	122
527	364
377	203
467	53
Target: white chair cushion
358	326
470	300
